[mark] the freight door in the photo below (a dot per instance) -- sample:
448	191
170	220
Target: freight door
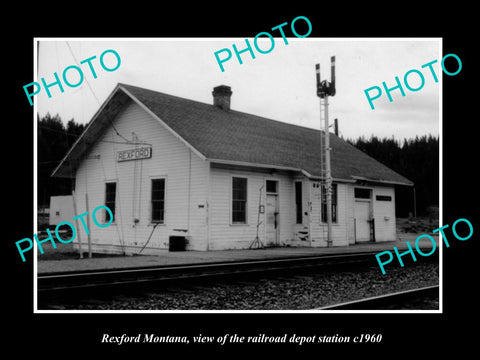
271	220
362	221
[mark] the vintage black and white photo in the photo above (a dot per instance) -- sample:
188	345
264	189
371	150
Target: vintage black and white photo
269	185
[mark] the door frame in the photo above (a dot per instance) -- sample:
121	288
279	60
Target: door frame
370	212
276	195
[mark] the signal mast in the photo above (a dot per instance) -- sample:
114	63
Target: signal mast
324	90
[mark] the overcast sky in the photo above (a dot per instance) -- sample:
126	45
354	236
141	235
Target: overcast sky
279	85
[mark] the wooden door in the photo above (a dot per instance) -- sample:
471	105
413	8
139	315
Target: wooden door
271	220
362	221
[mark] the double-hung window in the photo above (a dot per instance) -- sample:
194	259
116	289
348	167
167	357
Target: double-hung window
298	202
110	196
158	201
239	200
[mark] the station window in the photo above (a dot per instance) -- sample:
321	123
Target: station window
110	196
158	201
334	203
361	193
239	200
272	186
298	202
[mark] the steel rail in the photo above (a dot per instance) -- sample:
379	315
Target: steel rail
91	278
385	301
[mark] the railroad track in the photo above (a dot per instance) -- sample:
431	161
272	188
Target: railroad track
55	288
393	301
94	278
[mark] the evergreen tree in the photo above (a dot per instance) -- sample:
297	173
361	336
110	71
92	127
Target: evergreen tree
416	159
54	140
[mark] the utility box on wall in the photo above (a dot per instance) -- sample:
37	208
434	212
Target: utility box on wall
61	209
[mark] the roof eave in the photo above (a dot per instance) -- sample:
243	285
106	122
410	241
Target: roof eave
173	132
257	165
56	172
388	182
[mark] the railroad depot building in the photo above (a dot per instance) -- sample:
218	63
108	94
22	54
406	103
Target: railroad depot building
168	166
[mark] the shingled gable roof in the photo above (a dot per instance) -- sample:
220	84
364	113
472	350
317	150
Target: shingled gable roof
238	138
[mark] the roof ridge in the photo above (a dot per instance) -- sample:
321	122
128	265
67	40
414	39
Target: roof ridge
238	112
161	93
233	136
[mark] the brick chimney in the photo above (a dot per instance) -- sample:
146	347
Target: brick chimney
221	97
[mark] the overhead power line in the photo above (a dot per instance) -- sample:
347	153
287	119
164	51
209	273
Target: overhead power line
93	92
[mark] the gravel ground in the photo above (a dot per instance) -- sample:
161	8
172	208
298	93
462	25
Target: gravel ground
298	292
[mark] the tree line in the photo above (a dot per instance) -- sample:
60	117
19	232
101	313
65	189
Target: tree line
416	159
53	142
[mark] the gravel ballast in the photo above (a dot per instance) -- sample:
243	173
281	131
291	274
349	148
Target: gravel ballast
295	292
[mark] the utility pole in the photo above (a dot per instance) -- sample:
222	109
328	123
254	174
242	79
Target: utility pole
324	90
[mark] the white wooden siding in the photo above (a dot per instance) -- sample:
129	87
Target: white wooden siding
318	229
198	197
185	186
224	234
350	216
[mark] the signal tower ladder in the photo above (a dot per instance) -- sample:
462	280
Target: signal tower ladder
324	90
323	170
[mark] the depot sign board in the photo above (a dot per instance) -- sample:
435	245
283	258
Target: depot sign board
134	154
